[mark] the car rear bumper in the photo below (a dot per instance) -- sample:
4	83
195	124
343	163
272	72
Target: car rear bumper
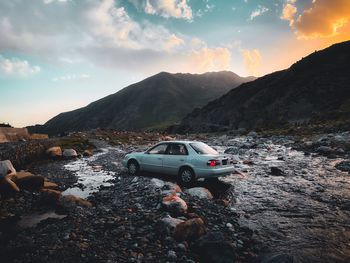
214	172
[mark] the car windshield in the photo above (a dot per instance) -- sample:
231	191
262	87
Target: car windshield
202	148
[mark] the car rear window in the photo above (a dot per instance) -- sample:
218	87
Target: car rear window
202	148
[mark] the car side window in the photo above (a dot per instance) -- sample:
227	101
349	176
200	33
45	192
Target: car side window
176	149
159	149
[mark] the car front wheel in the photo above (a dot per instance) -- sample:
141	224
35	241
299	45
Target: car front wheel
186	176
133	167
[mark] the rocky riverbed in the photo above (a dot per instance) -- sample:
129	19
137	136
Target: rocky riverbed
288	202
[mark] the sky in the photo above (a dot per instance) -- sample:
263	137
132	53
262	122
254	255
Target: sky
59	55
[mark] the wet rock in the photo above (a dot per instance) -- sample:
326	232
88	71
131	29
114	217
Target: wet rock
87	153
326	150
232	150
7	173
6	168
51	196
168	224
214	248
172	255
277	171
68	202
174	204
190	230
70	153
343	166
30	182
54	152
248	162
199	192
50	185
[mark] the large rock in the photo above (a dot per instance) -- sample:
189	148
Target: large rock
30	182
7	173
199	192
6	168
214	248
54	152
87	153
68	202
50	185
175	205
190	230
51	196
168	224
70	153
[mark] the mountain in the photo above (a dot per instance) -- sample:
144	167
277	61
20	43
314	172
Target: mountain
157	101
316	88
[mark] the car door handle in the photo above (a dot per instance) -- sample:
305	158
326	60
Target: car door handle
160	158
182	160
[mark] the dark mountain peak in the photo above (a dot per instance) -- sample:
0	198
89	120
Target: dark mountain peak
314	88
159	100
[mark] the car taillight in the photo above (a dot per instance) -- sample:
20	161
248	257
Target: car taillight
213	163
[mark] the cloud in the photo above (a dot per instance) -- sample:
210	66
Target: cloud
258	12
165	8
71	77
288	13
252	61
16	66
208	59
321	19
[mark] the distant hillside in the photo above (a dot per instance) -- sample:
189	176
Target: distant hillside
315	88
157	101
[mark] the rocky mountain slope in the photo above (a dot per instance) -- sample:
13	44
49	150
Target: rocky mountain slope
316	88
156	101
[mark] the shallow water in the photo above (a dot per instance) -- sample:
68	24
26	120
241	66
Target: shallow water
90	176
304	213
34	219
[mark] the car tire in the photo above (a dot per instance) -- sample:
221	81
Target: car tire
133	167
186	176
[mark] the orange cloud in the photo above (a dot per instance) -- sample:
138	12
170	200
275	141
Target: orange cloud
322	19
252	61
209	59
288	13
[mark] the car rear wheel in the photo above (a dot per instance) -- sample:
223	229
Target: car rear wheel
186	176
133	167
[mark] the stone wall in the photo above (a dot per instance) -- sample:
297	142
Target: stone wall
13	134
18	134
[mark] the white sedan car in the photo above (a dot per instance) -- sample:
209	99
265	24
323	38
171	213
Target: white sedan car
188	160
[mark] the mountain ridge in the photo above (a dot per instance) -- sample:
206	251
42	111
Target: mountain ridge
315	87
159	100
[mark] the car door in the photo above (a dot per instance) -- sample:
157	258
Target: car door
176	155
152	161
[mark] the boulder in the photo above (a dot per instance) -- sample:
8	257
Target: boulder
168	224
50	185
71	201
54	152
30	182
277	171
199	192
174	204
70	153
248	162
190	230
51	196
343	166
6	168
87	153
214	248
325	150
